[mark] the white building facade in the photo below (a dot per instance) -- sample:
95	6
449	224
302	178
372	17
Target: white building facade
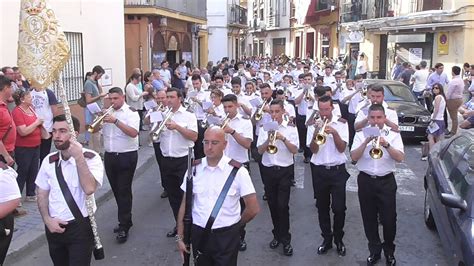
269	27
227	24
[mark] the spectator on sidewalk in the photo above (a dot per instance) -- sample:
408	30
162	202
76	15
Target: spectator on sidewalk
134	97
436	77
406	74
437	126
362	67
467	112
396	69
9	199
419	82
454	98
28	140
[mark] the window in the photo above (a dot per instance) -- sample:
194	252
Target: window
283	8
73	73
453	154
322	5
462	176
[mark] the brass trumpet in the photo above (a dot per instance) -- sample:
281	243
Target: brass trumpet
156	131
272	148
93	127
226	121
307	96
259	113
376	152
320	138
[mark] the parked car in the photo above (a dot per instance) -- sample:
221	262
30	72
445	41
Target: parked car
449	196
413	118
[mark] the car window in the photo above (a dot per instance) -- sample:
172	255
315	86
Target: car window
462	174
453	153
398	92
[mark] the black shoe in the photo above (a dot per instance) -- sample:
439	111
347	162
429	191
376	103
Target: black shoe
117	228
390	260
288	250
164	194
372	259
264	197
172	233
341	248
274	244
243	245
324	247
122	236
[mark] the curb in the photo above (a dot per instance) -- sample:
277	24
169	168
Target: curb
36	237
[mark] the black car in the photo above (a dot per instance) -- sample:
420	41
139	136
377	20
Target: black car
413	118
449	194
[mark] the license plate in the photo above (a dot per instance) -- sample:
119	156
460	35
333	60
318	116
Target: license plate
407	128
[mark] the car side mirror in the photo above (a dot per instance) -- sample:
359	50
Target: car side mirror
453	201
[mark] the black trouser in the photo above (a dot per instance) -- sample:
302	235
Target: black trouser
158	155
74	246
351	123
120	168
302	129
344	109
172	174
27	160
377	197
253	147
277	184
329	187
198	146
5	223
221	247
45	148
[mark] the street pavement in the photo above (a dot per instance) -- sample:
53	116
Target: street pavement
152	216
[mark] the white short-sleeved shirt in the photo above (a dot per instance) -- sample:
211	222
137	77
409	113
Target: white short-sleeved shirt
207	185
172	143
336	112
354	101
304	105
47	180
389	113
283	157
234	150
289	109
384	165
328	155
115	140
202	96
8	186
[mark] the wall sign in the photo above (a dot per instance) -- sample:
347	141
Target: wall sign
443	43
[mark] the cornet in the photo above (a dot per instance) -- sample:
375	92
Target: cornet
225	121
99	120
259	113
320	138
376	152
272	148
156	131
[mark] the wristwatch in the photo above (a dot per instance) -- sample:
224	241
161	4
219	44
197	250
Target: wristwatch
387	146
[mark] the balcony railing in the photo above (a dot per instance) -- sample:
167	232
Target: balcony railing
237	15
273	18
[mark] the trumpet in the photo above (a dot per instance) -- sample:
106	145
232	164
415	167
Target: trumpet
272	148
376	152
259	113
307	96
156	131
226	121
94	126
320	138
313	117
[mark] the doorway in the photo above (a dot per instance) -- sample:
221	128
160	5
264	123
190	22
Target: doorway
171	57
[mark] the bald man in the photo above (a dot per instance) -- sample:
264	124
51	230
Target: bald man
211	173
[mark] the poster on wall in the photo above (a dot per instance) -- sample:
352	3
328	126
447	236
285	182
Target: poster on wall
106	79
158	57
188	56
415	55
443	43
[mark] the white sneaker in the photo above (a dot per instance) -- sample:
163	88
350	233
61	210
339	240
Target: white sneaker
424	158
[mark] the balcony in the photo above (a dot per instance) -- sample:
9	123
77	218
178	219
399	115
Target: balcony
176	8
237	16
273	19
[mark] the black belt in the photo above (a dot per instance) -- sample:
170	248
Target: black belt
174	158
119	153
219	230
276	167
334	167
74	221
377	176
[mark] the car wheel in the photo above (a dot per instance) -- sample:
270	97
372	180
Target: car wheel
429	221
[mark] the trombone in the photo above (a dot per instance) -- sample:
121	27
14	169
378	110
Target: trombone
272	148
320	138
93	127
226	121
156	131
259	113
376	151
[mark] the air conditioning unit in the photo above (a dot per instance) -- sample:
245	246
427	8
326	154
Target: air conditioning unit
163	21
262	25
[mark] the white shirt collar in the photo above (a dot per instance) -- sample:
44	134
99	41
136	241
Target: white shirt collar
221	165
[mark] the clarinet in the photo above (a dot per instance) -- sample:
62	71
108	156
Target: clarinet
188	218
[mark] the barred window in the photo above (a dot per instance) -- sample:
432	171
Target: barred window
73	73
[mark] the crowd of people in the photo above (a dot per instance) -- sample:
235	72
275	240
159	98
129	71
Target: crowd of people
264	110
